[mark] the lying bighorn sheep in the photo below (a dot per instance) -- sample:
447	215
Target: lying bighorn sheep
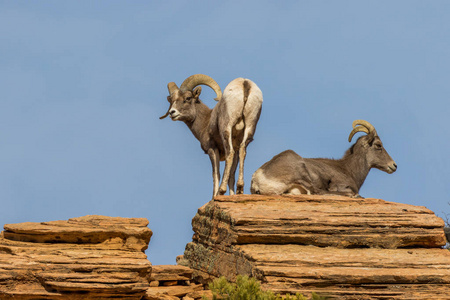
225	131
289	173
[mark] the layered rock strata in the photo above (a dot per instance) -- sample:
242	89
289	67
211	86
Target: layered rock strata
340	247
173	283
91	257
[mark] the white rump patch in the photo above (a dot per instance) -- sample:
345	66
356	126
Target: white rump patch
265	186
240	125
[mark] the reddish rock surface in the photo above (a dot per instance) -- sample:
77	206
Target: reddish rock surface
174	282
340	247
91	257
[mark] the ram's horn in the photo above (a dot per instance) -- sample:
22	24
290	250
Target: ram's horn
364	123
361	126
192	81
167	113
172	87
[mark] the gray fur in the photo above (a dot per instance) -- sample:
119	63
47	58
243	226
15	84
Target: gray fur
289	173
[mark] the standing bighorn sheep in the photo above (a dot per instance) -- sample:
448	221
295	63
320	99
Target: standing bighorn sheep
226	130
289	173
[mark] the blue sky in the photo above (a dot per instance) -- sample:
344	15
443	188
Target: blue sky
83	83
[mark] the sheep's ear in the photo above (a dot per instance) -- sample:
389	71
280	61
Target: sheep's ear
371	138
197	91
169	99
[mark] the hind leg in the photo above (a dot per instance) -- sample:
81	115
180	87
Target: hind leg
242	154
251	119
229	158
232	180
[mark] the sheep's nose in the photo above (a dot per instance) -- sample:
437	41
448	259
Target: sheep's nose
394	167
172	112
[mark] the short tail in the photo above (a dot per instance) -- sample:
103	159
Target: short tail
246	87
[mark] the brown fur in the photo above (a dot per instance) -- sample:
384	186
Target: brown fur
225	131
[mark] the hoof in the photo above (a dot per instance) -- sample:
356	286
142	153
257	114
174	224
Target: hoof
222	191
240	188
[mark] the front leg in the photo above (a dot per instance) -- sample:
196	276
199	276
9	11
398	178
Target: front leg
215	163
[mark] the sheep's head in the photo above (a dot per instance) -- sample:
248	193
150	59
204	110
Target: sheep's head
183	104
184	100
376	155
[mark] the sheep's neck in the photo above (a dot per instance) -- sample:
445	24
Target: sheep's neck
357	167
200	126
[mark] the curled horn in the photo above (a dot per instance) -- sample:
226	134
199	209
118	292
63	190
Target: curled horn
167	113
172	87
192	81
362	126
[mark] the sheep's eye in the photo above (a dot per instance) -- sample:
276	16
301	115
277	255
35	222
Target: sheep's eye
378	146
188	99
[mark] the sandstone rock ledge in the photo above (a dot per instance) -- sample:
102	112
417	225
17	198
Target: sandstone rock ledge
169	282
336	246
91	257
